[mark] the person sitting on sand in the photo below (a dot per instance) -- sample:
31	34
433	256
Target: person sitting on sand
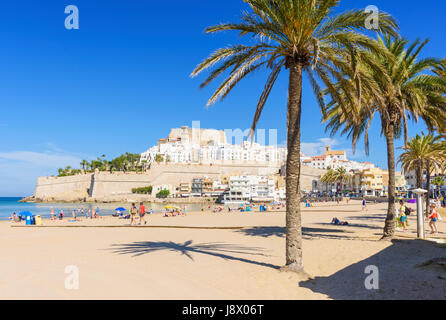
433	217
14	217
337	222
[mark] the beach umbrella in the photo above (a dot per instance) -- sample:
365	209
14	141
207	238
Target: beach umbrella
120	209
25	213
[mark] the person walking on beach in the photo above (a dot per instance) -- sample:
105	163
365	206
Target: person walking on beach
364	204
73	214
133	211
433	217
52	214
403	216
142	213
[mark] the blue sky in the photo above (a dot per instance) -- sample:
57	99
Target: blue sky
121	81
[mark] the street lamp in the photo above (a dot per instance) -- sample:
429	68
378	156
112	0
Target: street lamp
420	213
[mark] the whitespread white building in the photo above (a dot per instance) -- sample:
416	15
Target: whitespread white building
334	160
252	188
189	145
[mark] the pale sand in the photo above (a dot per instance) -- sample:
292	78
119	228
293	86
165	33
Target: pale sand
163	263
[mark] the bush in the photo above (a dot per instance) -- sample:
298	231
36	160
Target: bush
143	190
163	194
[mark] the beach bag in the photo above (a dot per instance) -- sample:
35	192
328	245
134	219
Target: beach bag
407	211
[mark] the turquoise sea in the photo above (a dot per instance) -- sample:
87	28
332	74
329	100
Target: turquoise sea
10	205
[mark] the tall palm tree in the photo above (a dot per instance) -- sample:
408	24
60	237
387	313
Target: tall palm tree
440	71
396	87
423	152
303	37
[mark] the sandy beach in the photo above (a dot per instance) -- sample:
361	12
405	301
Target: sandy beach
221	256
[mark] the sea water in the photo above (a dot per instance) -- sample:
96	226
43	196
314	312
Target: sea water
10	205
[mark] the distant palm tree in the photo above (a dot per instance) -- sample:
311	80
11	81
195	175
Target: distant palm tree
341	176
83	164
144	165
423	152
159	158
396	86
301	36
439	182
329	177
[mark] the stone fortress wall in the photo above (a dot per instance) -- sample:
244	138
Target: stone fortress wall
106	187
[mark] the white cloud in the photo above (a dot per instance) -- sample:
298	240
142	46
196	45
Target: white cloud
317	148
20	169
329	142
46	160
358	155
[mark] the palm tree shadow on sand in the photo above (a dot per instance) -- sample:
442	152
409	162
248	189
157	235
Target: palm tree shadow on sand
408	269
308	233
188	248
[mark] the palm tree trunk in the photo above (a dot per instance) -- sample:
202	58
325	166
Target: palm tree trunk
428	185
389	228
293	215
419	173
